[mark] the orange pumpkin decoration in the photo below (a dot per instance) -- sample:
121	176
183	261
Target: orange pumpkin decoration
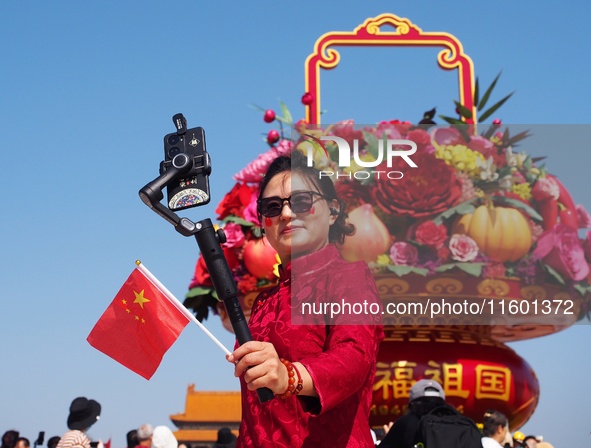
503	234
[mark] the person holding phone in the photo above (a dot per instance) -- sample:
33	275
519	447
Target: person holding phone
320	367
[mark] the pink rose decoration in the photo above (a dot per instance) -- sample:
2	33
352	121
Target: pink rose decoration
430	234
482	145
545	188
462	247
447	136
587	246
387	128
250	211
234	235
403	253
255	170
561	249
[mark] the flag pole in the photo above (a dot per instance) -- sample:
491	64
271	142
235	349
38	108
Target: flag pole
170	296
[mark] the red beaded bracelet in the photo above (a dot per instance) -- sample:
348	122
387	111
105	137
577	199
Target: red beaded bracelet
292	387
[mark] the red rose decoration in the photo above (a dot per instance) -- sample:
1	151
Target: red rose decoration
427	190
353	193
346	130
202	277
419	136
235	201
430	234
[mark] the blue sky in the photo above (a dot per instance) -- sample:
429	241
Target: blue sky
87	91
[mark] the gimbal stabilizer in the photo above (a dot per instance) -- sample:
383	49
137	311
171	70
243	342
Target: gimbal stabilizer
209	242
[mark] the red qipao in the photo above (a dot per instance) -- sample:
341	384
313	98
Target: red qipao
339	352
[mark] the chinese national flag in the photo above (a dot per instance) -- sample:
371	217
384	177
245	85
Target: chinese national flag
139	326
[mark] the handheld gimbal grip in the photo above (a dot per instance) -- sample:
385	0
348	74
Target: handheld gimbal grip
226	288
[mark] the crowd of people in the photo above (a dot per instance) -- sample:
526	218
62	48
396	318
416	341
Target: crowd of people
85	412
427	398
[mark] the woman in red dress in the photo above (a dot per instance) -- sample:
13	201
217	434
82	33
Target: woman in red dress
315	335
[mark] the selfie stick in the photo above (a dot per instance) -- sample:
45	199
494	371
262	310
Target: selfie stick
209	242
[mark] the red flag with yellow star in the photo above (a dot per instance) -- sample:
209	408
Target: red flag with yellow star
139	326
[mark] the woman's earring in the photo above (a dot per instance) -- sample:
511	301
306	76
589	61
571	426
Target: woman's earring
334	211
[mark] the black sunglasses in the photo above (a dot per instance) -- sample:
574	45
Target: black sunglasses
300	202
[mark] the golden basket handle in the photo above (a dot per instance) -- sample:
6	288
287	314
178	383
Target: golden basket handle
406	34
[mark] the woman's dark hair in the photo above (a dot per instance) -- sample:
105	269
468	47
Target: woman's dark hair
132	439
492	420
9	438
53	441
298	163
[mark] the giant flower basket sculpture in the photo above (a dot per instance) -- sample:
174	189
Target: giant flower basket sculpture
478	226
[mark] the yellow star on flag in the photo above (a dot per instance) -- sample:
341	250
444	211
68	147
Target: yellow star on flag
140	299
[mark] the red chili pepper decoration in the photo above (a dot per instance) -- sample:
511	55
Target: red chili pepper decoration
549	211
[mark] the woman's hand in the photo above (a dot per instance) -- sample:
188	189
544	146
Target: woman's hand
260	364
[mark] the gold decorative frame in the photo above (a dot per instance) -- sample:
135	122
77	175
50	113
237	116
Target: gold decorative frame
369	33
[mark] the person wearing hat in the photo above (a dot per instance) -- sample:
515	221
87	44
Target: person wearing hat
83	414
425	395
162	437
518	438
226	439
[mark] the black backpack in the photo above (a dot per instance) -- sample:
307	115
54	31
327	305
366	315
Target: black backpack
444	427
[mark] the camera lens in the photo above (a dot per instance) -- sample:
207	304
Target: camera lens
173	152
173	139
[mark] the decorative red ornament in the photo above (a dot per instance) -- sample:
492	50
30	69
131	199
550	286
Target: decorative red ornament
307	99
268	222
312	210
476	373
497	122
259	258
272	137
269	116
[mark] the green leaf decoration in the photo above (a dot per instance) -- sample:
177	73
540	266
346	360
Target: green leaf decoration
451	120
515	203
445	267
474	269
401	270
494	108
257	231
463	110
519	137
237	220
554	273
287	118
257	107
487	93
490	131
371	144
583	289
200	291
476	93
461	209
